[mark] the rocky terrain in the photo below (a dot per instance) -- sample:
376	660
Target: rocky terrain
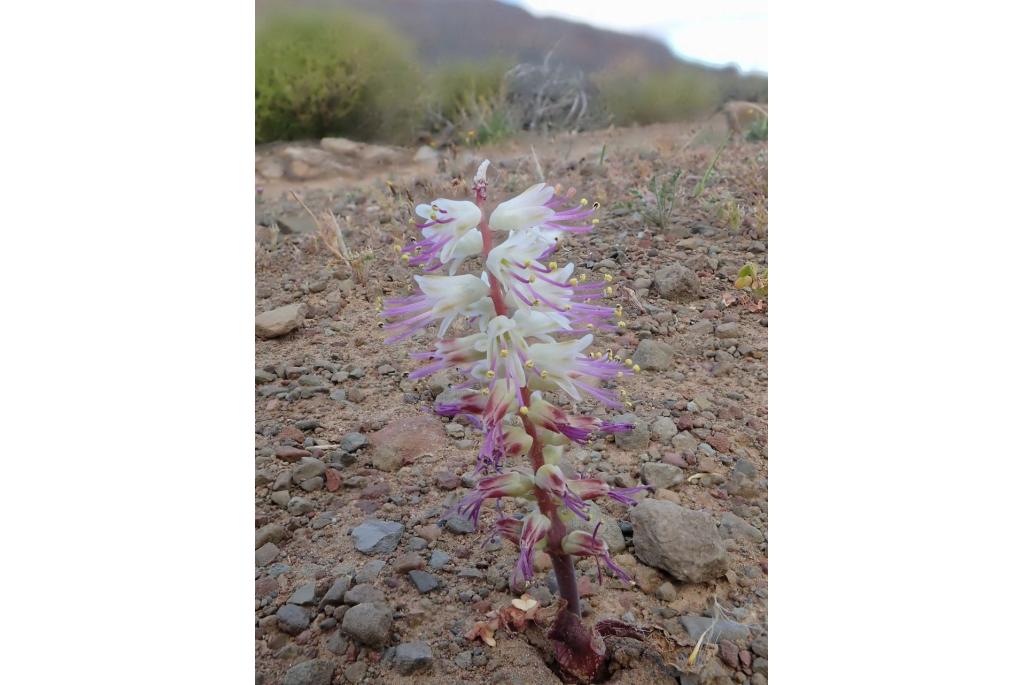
358	577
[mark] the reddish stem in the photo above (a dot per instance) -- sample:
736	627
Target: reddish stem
565	574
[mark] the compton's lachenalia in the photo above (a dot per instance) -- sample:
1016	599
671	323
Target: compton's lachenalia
532	322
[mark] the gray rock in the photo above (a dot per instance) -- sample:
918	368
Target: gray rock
374	536
280	498
337	644
728	330
423	581
678	283
280	321
663	429
685	441
299	505
746	468
653	355
315	672
353	441
681	541
636	439
727	630
362	593
292	619
438	559
264	377
735	527
464	659
369	623
304	594
308	467
336	593
312	484
459	525
272	532
338	395
282	481
369	572
266	554
661	475
411	657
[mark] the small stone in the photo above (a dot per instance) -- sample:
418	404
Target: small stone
446	480
661	475
727	330
304	594
464	659
735	527
315	672
337	644
312	484
369	623
663	429
362	593
685	442
338	395
653	355
355	672
292	619
459	525
280	498
423	581
352	442
677	283
290	454
377	537
666	592
266	554
336	593
272	532
438	559
411	657
308	467
264	377
638	438
408	562
416	544
280	321
299	505
729	653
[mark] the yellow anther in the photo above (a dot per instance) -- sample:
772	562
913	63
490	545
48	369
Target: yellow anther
595	221
629	404
398	247
529	364
608	278
567	308
504	353
552	265
574	281
527	262
583	278
622	392
590	326
622	324
490	374
535	303
533	278
405	258
544	374
629	362
609	290
583	202
485	391
636	368
524	411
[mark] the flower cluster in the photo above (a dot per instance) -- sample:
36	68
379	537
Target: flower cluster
530	322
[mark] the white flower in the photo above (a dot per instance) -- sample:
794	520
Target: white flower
446	229
525	210
441	298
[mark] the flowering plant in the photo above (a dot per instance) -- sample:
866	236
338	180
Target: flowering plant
517	307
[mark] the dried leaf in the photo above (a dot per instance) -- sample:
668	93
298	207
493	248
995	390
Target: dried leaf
524	603
483	630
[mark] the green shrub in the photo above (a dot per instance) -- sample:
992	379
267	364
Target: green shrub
323	74
758	130
646	97
455	89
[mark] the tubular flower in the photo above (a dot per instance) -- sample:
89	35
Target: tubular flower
586	544
535	529
540	206
453	353
512	484
563	365
551	479
576	428
449	233
441	298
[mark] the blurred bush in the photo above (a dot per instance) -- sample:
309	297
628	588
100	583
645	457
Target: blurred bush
457	88
333	73
637	96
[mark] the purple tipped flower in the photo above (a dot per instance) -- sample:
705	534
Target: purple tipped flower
585	544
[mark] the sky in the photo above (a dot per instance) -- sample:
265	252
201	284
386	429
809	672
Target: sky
717	32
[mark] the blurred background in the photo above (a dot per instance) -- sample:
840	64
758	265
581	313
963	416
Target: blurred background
473	72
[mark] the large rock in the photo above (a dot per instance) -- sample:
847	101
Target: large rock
678	283
292	619
683	542
369	623
405	440
315	672
374	536
280	321
411	657
723	629
342	147
653	355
